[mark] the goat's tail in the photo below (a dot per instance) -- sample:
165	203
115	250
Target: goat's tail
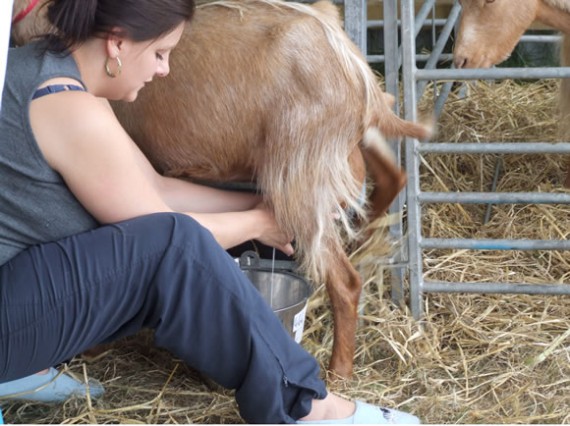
392	126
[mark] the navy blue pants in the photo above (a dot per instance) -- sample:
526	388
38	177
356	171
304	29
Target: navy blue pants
165	272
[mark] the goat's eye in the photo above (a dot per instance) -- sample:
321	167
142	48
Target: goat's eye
489	1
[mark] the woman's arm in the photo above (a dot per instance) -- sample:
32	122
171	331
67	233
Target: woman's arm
182	195
81	138
204	199
233	228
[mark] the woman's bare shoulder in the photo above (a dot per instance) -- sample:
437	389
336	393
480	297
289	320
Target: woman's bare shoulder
68	121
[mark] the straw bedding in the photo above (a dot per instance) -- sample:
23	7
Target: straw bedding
473	359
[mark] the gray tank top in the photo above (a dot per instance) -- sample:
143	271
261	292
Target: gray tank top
35	204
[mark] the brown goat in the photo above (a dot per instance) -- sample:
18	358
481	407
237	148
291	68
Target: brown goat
275	93
490	30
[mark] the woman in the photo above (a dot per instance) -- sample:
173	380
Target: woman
95	245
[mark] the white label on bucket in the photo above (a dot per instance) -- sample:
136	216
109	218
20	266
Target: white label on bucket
299	324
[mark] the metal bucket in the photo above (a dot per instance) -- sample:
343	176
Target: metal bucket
286	292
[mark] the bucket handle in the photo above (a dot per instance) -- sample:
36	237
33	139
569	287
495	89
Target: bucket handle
250	260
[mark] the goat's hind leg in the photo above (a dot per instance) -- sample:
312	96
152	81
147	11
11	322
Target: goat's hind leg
344	286
387	177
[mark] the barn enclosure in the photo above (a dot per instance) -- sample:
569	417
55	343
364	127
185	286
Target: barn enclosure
467	319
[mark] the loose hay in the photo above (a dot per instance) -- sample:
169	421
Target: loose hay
501	112
474	358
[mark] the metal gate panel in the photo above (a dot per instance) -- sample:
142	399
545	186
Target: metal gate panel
414	81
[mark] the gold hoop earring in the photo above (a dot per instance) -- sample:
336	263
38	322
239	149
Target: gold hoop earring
108	68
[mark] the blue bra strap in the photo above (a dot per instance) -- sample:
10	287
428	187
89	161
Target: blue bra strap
54	88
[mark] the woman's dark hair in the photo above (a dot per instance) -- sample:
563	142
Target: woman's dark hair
75	21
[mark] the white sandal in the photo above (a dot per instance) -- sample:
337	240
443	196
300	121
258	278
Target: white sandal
54	386
368	414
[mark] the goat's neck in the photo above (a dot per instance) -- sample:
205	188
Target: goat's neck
553	16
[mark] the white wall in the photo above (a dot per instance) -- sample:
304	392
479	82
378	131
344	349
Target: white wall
5	21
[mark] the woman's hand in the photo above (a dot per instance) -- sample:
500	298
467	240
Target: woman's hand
271	234
233	228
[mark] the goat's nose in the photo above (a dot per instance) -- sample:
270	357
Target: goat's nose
460	61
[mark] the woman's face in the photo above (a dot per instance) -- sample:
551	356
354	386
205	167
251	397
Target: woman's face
142	61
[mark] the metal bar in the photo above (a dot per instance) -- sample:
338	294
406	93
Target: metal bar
441	22
440	100
500	288
496	174
339	2
449	56
493	244
391	76
493	73
421	17
355	22
373	23
496	148
412	158
375	59
391	79
493	197
440	45
418	24
540	39
433	32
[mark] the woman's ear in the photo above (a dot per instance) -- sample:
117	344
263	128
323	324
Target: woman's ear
114	43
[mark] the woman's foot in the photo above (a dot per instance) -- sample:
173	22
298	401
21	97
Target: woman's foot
49	386
336	410
331	407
